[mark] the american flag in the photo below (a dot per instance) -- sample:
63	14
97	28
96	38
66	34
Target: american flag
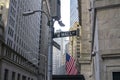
70	65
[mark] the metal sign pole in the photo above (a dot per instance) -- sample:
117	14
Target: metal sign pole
50	50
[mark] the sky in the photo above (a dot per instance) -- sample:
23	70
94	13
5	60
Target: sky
65	16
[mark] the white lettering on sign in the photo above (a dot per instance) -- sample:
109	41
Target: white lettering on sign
65	34
70	33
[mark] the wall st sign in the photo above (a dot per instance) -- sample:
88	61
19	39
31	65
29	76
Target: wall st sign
66	34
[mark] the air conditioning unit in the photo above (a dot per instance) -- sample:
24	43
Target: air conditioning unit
55	9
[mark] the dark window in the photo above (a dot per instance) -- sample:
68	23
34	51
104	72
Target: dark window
116	75
10	32
78	48
6	74
78	54
18	77
58	1
1	7
12	10
8	41
13	75
23	77
28	78
12	22
0	17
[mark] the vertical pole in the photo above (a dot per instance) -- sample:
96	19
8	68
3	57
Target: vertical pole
95	43
50	50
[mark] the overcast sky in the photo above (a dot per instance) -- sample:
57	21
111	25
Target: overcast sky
65	15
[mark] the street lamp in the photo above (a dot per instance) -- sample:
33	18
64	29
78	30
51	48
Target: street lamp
61	24
27	13
50	48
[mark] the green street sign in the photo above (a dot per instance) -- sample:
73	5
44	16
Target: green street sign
66	34
56	45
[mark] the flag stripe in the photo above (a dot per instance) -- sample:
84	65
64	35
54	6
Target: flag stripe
70	65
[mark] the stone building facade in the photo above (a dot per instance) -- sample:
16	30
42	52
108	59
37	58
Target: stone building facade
85	38
106	39
19	41
75	45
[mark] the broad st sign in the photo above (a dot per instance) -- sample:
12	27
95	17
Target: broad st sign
56	45
66	34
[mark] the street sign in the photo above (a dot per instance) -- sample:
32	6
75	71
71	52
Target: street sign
66	34
56	45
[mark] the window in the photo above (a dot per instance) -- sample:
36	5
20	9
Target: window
1	7
6	74
78	54
9	42
0	17
10	32
14	2
23	77
11	21
12	10
18	77
78	46
58	1
116	75
78	49
13	76
28	78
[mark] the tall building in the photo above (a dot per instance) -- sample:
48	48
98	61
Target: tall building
1	27
106	39
19	53
21	33
56	61
85	39
74	45
74	42
73	12
59	56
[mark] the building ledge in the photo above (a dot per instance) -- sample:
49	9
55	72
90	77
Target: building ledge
106	4
115	55
84	61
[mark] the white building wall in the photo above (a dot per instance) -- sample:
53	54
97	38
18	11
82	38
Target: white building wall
22	32
59	57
